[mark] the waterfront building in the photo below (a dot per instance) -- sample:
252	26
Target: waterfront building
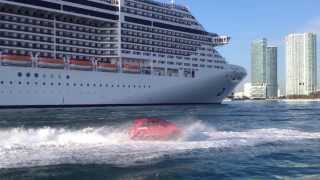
301	64
271	72
264	70
247	89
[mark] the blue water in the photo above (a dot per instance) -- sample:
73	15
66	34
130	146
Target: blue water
236	140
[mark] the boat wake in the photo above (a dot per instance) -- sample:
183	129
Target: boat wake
20	147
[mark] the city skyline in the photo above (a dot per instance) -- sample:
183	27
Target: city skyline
248	20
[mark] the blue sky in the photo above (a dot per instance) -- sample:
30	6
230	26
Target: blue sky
247	20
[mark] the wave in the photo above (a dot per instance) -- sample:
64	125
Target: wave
20	147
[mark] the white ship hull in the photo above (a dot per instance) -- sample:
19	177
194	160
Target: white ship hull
24	86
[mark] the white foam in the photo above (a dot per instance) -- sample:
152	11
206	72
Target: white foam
21	147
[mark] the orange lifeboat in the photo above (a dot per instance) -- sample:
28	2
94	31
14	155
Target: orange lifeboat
50	63
17	60
80	64
107	67
131	68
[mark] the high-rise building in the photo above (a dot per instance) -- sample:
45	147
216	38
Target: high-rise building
258	62
264	70
271	72
301	64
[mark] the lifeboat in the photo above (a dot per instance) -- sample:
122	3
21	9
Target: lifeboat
80	64
131	68
107	67
51	63
154	129
17	60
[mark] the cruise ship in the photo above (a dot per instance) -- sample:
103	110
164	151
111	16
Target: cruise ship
109	52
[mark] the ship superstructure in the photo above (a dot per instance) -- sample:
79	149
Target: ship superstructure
109	52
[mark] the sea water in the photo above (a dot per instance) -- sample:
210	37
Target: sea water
235	140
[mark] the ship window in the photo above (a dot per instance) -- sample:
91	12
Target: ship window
59	84
11	82
1	82
43	83
20	82
68	77
51	84
19	74
36	75
88	84
74	84
67	84
28	74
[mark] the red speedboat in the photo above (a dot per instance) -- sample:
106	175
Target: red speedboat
154	129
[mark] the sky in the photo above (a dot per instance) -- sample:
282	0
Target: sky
248	20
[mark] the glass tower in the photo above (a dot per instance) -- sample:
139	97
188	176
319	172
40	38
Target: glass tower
264	70
301	64
271	72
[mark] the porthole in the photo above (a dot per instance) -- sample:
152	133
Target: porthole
36	83
68	77
68	84
20	82
36	75
107	85
51	76
74	84
51	84
81	84
10	82
28	74
88	85
19	74
94	85
43	83
59	84
1	82
100	85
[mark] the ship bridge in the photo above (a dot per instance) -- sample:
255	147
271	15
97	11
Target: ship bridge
221	40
